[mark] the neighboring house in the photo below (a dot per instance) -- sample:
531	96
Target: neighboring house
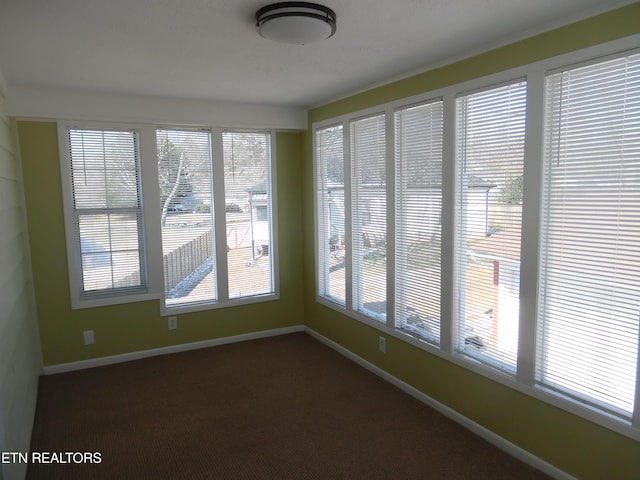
259	219
423	197
500	322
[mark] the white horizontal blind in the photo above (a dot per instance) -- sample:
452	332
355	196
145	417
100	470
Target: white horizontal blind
185	180
490	156
248	207
331	213
105	177
589	306
369	216
418	146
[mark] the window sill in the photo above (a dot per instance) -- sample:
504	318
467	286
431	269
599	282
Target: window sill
80	303
203	306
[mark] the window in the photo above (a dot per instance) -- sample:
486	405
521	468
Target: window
590	263
103	214
369	210
186	216
248	207
199	235
330	198
495	224
418	143
490	161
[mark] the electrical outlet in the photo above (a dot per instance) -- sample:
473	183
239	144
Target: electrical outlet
382	344
172	323
88	337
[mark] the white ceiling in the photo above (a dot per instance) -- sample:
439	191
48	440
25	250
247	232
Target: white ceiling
209	49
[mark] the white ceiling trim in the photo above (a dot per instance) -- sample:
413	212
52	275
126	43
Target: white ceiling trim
43	103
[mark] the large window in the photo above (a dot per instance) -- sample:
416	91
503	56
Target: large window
418	144
186	216
369	213
496	224
104	214
200	234
248	211
490	161
590	264
330	194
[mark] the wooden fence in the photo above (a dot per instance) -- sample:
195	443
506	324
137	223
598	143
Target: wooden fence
182	261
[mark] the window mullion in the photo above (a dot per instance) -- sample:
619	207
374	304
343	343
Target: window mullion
533	154
151	209
447	279
273	213
348	209
635	420
320	220
390	224
219	216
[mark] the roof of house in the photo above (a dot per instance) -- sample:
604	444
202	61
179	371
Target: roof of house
504	244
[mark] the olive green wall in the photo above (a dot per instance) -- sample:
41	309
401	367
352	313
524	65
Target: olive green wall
138	326
570	443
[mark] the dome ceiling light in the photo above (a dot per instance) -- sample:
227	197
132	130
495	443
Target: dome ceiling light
296	22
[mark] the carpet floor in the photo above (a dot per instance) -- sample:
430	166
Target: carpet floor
284	407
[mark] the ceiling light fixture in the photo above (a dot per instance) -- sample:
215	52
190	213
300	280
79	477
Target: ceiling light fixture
296	22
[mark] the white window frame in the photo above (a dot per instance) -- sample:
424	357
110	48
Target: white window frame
524	378
150	192
400	272
357	278
491	362
322	231
78	300
219	228
545	303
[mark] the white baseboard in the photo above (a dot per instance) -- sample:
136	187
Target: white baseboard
183	347
503	444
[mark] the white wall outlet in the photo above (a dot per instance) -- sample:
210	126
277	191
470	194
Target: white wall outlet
88	337
382	344
172	323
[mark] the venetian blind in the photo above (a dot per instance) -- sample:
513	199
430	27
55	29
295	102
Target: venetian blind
248	206
185	180
105	176
490	162
369	216
331	214
590	258
418	145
